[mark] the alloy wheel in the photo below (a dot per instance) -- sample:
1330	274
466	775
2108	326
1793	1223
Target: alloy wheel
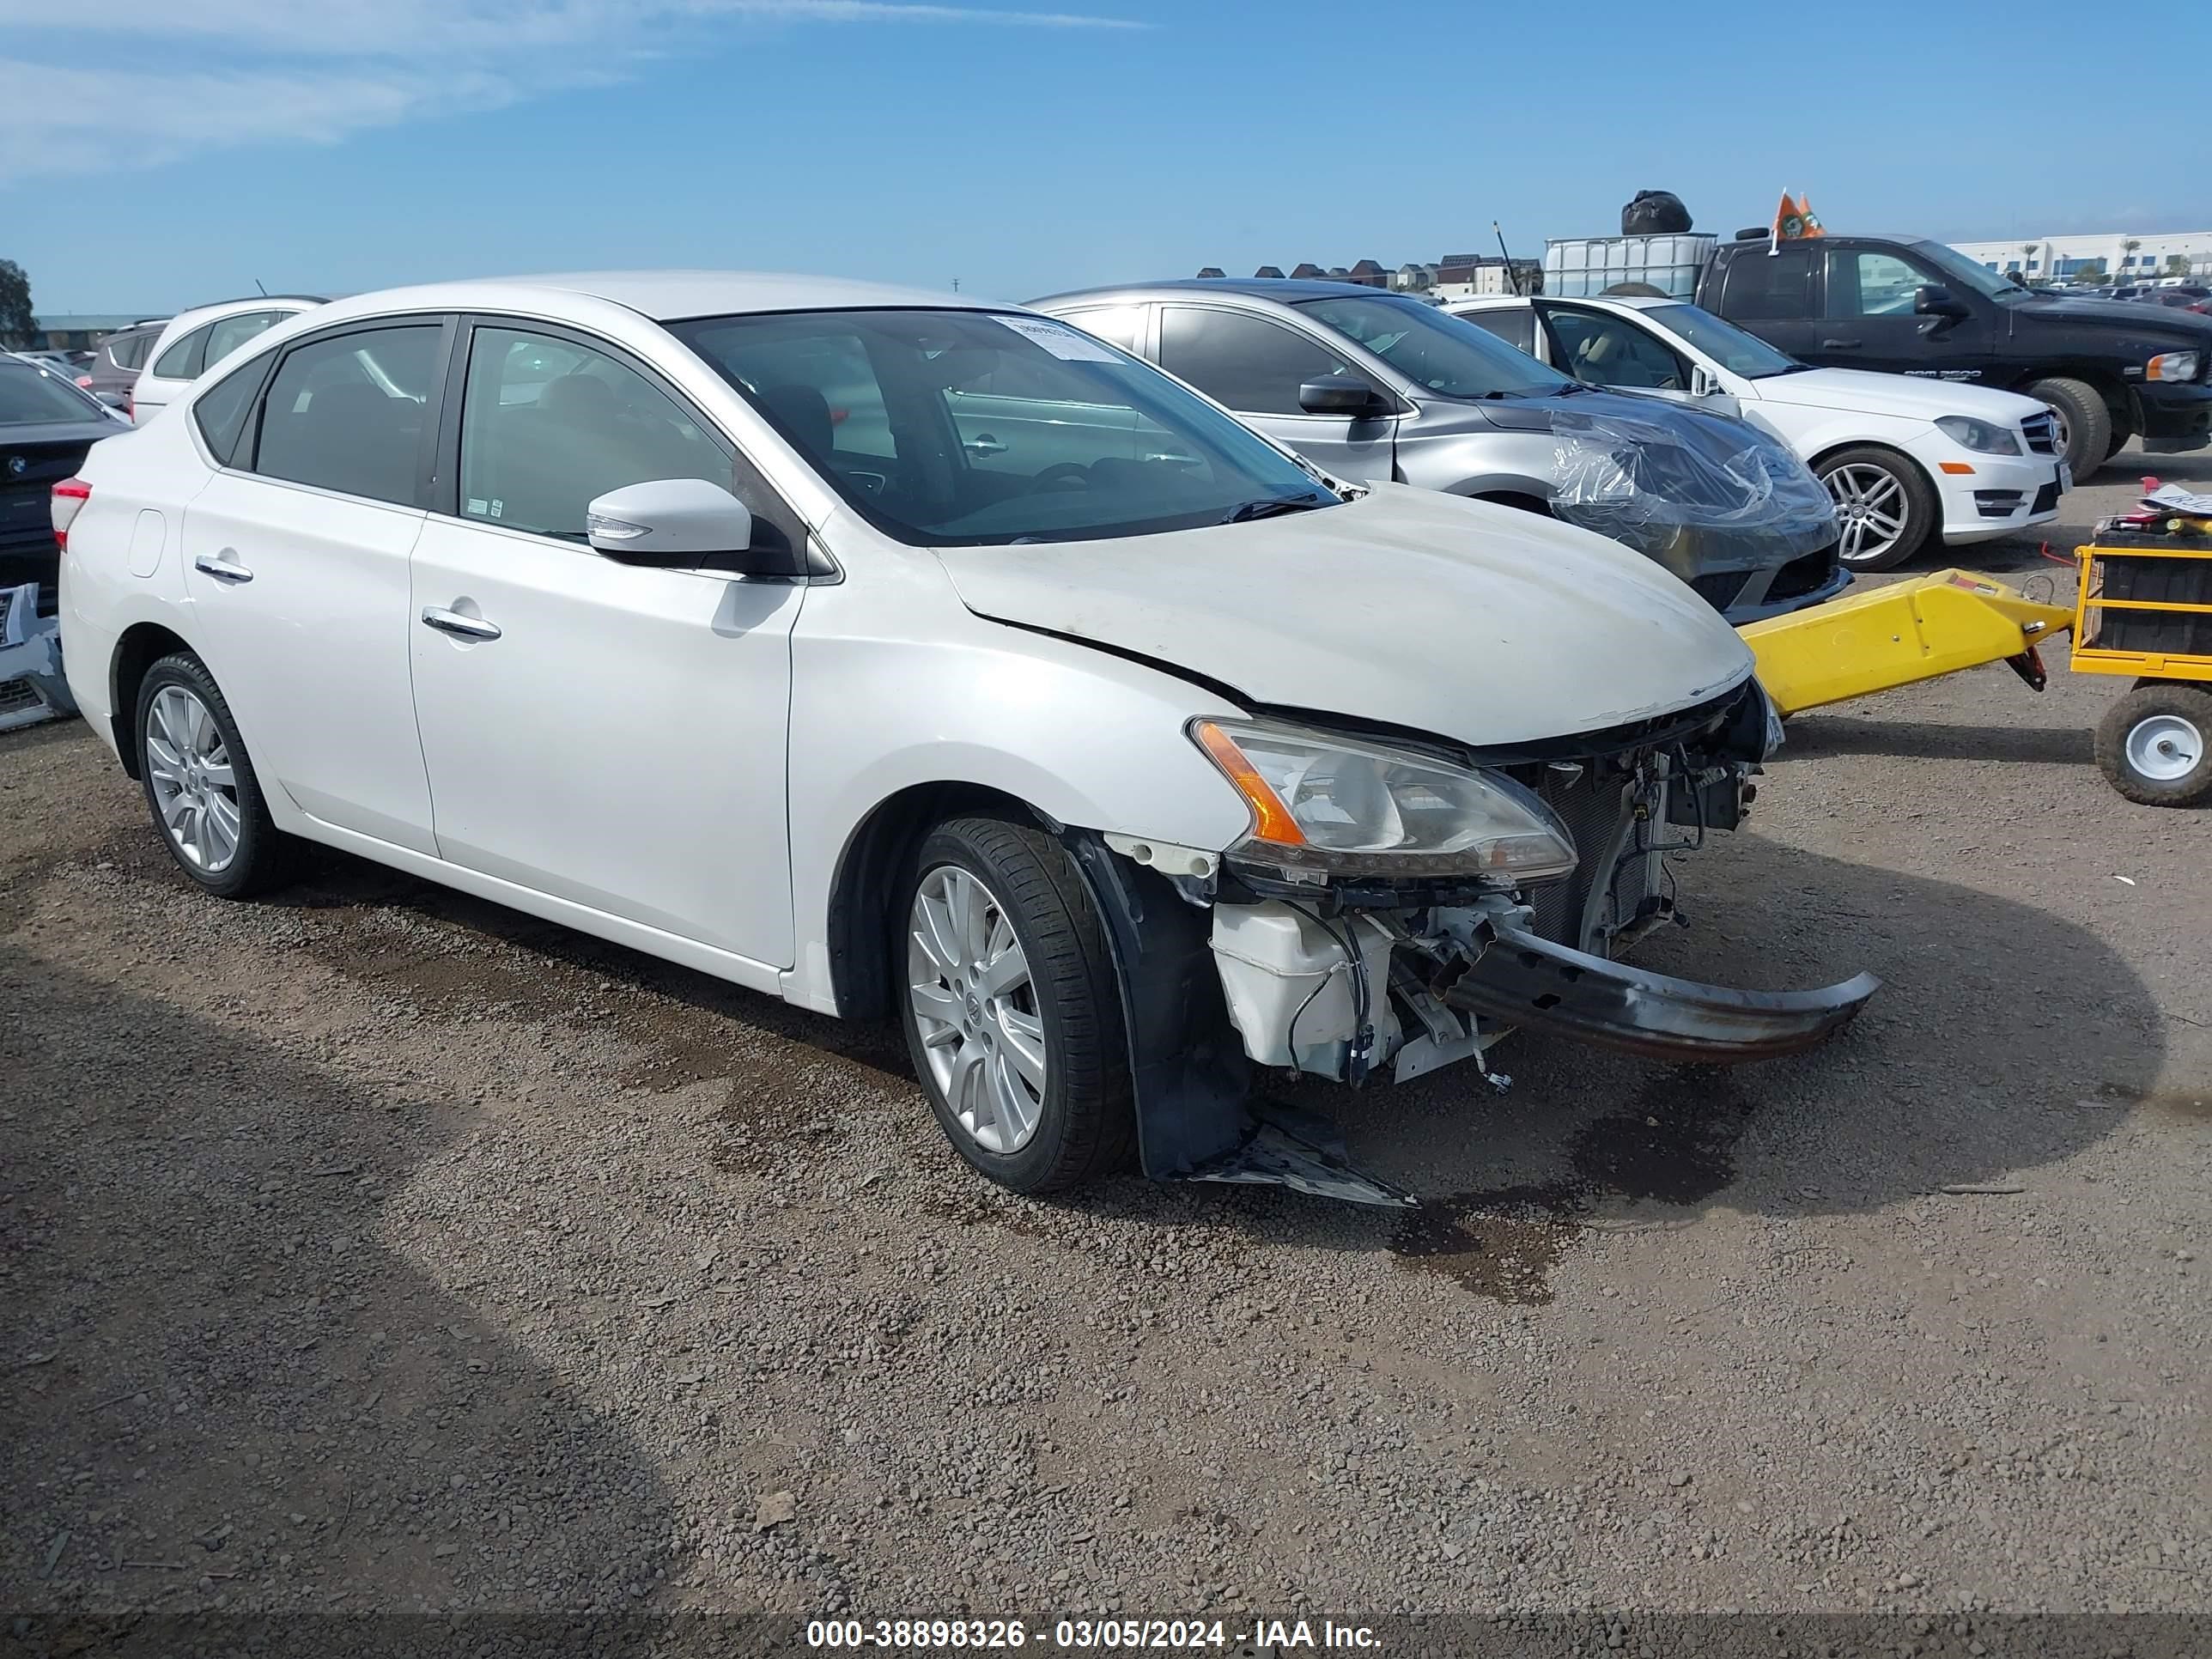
2163	748
975	1008
1871	510
195	788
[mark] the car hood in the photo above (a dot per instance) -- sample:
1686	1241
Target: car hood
1914	398
2160	324
1409	608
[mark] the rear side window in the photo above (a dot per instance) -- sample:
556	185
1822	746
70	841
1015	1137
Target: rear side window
219	412
232	332
184	360
1514	325
1774	286
1118	325
346	413
128	351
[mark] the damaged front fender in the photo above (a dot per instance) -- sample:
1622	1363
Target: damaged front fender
1525	980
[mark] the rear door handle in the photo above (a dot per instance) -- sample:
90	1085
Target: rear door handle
222	570
1841	346
984	444
453	622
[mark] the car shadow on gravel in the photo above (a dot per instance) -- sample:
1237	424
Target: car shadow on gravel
225	1391
2004	1039
2002	1042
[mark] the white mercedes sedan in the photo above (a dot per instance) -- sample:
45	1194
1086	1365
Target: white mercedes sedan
891	654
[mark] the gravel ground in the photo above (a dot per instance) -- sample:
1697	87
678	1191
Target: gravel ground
374	1249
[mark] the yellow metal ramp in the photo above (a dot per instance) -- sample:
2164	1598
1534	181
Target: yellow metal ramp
1879	638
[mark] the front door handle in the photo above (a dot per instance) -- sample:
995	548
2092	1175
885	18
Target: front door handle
222	570
453	622
984	444
1841	346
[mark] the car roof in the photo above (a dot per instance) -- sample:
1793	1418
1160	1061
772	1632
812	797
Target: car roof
1628	301
1288	290
662	295
219	308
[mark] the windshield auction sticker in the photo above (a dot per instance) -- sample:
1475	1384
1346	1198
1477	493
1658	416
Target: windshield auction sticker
1064	343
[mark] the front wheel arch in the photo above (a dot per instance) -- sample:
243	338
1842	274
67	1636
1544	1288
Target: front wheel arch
863	892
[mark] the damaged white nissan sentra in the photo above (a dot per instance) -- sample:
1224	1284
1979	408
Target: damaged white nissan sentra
883	653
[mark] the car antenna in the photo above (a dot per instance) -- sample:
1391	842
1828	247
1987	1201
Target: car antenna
1512	276
258	284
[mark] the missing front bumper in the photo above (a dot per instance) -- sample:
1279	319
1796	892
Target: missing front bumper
1525	980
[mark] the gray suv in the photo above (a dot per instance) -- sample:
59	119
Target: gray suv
115	367
1382	387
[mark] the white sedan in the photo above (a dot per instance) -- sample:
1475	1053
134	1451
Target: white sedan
1909	461
886	654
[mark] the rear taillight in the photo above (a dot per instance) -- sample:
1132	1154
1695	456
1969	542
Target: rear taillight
130	406
84	382
69	496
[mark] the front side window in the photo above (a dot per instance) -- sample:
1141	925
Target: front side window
1245	363
232	332
183	359
548	424
1864	283
1776	287
1607	351
346	413
1447	354
995	429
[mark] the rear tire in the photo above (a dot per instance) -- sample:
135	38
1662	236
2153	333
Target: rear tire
2154	745
1886	490
2086	420
200	786
1030	1080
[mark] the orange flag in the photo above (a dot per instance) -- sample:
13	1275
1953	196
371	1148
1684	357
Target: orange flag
1794	221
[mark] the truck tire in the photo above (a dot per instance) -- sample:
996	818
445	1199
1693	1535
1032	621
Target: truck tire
1008	992
2087	422
1885	506
2154	745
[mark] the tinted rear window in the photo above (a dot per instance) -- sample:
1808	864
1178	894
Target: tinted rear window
32	397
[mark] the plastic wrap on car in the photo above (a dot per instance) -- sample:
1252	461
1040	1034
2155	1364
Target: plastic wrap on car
1698	494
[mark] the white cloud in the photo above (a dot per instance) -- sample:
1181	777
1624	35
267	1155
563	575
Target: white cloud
319	71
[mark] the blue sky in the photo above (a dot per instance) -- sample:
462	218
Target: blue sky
178	150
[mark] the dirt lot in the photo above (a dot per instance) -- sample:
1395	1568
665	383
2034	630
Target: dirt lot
375	1248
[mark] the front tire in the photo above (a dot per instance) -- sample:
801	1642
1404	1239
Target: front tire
2154	745
206	801
1011	1008
2083	419
1885	508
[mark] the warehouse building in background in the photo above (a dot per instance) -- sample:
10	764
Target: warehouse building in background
2123	256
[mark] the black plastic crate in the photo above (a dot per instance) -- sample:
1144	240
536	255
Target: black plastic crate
2151	579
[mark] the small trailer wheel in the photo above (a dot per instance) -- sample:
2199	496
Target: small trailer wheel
2154	745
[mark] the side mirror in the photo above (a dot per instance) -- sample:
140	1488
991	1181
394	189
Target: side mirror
1338	395
1702	383
1931	300
680	524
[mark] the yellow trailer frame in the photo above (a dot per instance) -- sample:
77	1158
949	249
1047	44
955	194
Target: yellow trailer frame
1879	638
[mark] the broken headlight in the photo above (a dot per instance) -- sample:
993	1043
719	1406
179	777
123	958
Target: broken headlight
1324	802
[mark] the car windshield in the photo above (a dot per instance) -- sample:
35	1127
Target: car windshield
1724	343
31	396
960	427
1959	271
1444	354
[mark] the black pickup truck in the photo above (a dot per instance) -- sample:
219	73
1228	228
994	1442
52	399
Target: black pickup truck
1909	306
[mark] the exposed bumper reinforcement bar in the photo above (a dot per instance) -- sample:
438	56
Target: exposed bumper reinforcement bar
1521	979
